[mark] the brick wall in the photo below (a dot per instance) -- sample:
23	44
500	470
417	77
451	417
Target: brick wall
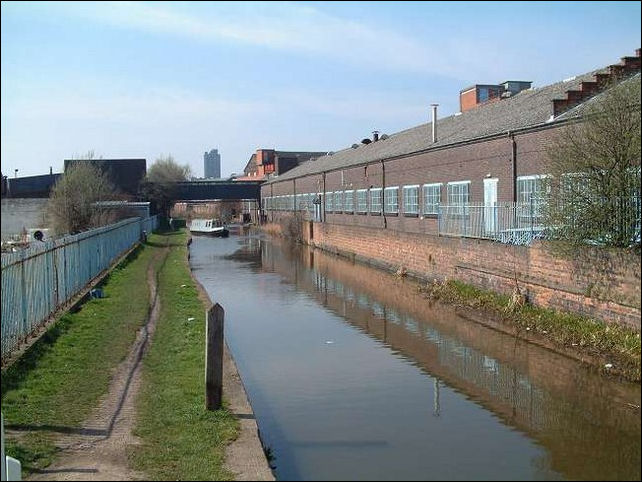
474	162
596	284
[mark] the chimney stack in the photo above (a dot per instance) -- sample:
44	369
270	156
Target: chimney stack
375	136
434	122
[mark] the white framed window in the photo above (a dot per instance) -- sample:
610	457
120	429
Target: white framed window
532	192
391	200
348	205
432	198
458	196
375	200
338	201
411	199
362	200
329	197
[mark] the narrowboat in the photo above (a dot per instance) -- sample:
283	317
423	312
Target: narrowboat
211	227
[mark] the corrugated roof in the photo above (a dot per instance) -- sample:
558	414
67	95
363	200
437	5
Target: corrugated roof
527	108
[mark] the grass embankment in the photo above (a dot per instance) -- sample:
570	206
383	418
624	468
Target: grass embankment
56	384
181	440
614	344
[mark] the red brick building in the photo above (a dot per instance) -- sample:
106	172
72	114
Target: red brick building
491	153
377	201
266	163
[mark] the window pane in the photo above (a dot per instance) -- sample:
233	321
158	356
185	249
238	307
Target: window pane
411	199
362	200
375	200
328	201
349	202
338	201
458	197
391	200
432	198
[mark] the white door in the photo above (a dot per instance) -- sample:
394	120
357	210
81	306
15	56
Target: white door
490	205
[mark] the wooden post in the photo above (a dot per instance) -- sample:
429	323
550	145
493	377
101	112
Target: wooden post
214	357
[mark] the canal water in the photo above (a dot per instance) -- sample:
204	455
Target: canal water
353	375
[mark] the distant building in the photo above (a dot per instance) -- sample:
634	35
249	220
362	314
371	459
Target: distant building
212	164
266	163
125	174
29	186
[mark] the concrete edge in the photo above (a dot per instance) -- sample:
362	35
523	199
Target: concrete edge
244	457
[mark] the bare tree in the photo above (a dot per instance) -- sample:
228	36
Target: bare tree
595	172
71	205
161	177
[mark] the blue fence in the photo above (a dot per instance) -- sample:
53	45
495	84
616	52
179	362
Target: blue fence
38	280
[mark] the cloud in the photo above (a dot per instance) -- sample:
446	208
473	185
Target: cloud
283	27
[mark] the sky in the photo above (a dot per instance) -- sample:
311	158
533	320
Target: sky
148	79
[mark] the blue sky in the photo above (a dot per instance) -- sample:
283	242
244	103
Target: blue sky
132	79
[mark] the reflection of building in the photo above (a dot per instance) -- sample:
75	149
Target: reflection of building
268	162
212	164
577	416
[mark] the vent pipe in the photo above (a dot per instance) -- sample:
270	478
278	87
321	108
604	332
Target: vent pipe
434	122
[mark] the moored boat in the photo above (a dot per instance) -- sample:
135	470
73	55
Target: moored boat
210	227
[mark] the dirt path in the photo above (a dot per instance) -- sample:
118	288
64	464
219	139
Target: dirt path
99	451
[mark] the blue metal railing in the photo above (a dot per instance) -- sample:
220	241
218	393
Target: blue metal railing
40	279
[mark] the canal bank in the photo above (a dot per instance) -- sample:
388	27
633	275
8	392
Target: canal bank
354	376
80	403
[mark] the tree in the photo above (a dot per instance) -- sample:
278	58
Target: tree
161	177
71	207
595	172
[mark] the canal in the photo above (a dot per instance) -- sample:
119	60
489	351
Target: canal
353	375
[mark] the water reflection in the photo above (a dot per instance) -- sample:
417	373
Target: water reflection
549	417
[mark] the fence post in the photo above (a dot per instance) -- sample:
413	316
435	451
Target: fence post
23	292
214	357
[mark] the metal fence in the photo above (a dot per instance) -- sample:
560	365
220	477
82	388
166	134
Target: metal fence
510	223
519	223
38	280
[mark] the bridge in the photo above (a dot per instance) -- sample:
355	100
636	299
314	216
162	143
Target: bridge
227	190
40	187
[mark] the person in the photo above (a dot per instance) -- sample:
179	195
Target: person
171	224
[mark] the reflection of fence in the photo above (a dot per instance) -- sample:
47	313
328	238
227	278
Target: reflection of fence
511	223
38	280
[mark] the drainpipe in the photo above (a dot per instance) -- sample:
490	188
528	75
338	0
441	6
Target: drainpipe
383	194
513	157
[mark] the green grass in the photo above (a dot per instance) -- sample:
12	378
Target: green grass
56	384
618	344
181	440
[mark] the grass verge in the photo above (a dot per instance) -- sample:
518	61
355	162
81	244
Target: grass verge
617	344
59	380
180	439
